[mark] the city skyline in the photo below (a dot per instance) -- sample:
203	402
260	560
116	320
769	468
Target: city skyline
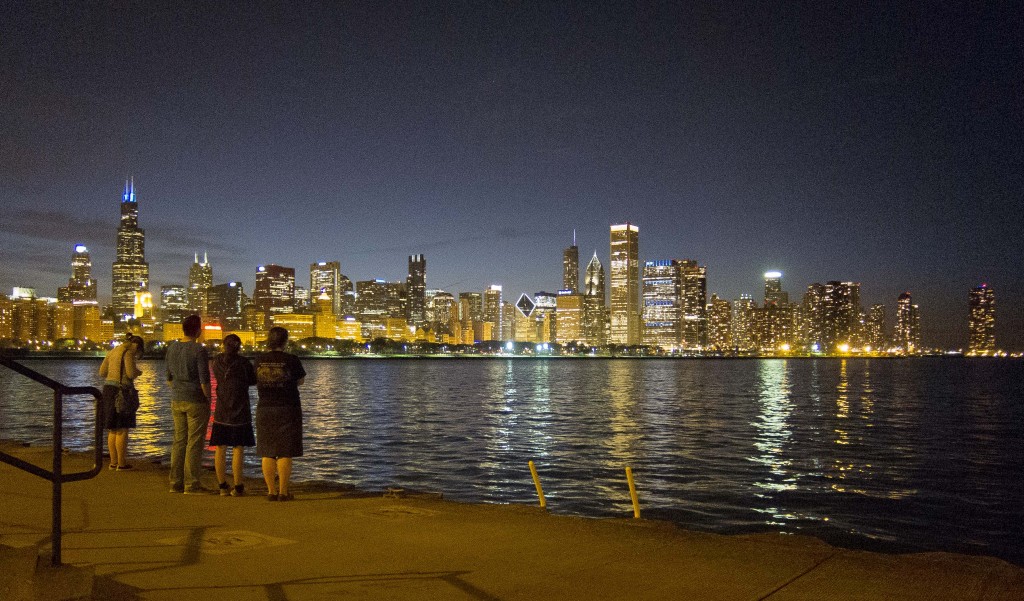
672	311
838	144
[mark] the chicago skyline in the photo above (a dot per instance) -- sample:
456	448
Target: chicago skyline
841	143
670	310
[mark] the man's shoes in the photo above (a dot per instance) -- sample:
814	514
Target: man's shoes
238	490
287	497
124	467
272	497
224	489
176	490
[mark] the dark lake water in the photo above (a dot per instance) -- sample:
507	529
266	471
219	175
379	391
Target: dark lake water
883	454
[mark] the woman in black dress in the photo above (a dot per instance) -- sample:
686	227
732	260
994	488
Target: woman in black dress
232	416
278	413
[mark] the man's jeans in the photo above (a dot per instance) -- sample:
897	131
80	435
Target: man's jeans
190	420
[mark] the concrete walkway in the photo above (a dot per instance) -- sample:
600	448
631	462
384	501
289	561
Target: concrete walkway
142	542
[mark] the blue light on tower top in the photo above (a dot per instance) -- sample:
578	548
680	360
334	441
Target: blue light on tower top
129	190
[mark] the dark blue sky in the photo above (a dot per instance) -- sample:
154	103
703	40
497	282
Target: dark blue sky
880	144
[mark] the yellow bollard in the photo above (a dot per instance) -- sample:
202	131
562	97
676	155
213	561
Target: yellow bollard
536	482
632	493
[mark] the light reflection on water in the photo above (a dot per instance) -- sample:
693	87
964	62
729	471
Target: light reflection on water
892	454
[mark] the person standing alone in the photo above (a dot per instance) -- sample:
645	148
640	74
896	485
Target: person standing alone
188	375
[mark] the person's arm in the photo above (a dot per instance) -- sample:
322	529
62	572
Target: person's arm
204	372
167	361
130	369
105	366
300	372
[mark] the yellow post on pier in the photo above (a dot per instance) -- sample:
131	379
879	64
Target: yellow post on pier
632	493
536	482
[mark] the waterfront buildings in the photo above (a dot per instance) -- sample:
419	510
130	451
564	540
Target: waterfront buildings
874	325
492	312
325	277
773	293
569	317
693	301
595	312
81	286
719	324
200	280
416	291
908	325
662	300
130	269
274	292
625	315
742	326
571	267
831	316
173	303
982	320
225	303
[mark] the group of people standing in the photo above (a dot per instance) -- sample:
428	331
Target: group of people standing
278	436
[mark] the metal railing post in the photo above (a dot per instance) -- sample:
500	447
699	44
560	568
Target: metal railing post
58	476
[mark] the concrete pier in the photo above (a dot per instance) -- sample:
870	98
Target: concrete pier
127	538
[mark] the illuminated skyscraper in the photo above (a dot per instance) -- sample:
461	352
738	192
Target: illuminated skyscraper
225	303
908	325
81	286
568	317
376	302
832	312
492	311
275	291
773	294
571	267
173	303
625	284
719	324
595	313
693	302
130	270
416	290
875	328
325	276
200	280
982	320
743	324
662	309
471	307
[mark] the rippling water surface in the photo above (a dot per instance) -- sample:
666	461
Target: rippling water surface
897	455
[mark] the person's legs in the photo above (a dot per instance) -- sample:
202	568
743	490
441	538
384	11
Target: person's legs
121	442
269	473
220	461
198	415
112	447
237	464
284	473
180	417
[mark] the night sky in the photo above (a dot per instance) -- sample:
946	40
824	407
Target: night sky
879	144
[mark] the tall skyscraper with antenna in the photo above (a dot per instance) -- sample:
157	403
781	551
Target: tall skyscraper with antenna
200	281
571	267
130	270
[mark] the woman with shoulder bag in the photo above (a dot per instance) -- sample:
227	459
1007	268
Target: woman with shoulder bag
120	400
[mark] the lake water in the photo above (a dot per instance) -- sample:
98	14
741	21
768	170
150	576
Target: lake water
883	454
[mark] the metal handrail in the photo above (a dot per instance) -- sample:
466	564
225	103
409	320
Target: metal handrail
57	475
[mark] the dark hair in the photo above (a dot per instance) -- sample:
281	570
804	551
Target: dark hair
232	344
192	326
140	344
277	337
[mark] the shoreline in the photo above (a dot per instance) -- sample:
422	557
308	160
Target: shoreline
334	542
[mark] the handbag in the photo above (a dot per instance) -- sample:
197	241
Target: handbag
127	398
